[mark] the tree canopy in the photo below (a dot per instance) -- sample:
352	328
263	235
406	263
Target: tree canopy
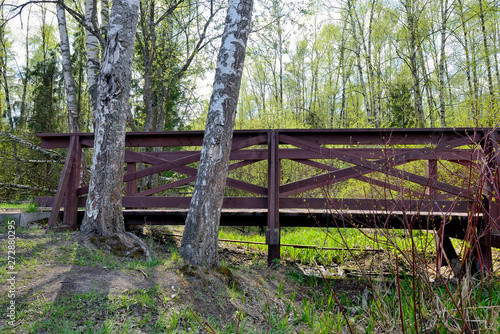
316	64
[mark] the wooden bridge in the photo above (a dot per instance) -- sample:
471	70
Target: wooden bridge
441	179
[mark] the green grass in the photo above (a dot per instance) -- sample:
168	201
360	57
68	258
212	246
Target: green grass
353	241
288	303
21	206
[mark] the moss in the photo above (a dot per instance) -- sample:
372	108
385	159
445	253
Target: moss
118	245
229	279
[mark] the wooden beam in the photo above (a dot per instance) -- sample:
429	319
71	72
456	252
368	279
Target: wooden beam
365	166
63	183
273	216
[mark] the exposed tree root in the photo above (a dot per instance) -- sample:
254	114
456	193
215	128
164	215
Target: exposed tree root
124	244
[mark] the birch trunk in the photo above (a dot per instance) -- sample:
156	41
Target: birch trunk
486	49
468	65
103	222
22	115
3	71
69	81
412	21
92	44
199	242
357	51
444	18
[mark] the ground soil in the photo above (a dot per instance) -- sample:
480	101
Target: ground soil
245	271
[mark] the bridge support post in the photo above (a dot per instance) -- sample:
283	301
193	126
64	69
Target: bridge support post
274	176
65	184
488	226
71	205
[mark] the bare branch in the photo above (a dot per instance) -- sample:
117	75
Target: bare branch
49	153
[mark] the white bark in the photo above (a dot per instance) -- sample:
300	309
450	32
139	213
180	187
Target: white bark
444	17
69	81
92	44
48	153
199	242
103	214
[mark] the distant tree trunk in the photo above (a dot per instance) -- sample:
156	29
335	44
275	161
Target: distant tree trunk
467	60
104	18
199	242
103	222
486	49
357	52
3	73
412	22
73	122
442	54
22	116
93	62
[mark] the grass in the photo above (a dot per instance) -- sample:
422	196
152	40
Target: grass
21	206
264	301
350	241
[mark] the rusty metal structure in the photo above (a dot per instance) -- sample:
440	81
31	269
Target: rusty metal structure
435	179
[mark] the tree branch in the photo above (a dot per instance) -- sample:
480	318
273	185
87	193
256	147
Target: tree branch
52	154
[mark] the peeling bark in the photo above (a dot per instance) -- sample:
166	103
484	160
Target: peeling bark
199	242
103	212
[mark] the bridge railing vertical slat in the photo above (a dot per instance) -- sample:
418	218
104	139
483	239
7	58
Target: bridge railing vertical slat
274	176
131	186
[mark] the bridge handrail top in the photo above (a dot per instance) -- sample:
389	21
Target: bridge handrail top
462	130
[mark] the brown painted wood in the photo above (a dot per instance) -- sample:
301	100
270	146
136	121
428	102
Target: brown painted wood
455	155
192	172
71	202
383	137
131	186
364	166
377	205
63	183
377	155
369	180
273	216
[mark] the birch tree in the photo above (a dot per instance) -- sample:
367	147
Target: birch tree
69	81
200	240
92	44
103	222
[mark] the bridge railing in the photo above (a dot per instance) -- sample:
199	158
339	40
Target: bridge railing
306	170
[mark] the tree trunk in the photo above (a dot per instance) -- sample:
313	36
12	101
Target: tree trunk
442	54
412	22
73	122
104	18
199	242
3	71
486	49
468	70
93	62
22	116
103	222
357	52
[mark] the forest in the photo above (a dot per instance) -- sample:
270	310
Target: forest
309	64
